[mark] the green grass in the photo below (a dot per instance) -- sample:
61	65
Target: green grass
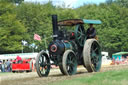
5	73
104	78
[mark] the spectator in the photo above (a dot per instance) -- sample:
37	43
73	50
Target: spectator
34	63
117	61
8	64
127	59
113	61
3	66
11	64
19	60
123	60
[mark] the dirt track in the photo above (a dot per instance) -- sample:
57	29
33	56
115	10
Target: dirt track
55	75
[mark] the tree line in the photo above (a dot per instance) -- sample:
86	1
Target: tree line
20	20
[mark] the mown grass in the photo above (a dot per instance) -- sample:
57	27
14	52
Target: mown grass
104	78
5	73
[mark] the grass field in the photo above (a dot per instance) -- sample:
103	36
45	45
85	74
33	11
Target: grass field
5	73
108	75
104	78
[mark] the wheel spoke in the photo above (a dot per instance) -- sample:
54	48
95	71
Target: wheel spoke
40	60
42	71
93	54
81	40
96	49
79	32
70	64
79	37
70	69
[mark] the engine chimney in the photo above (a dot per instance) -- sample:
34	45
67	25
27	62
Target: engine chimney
55	27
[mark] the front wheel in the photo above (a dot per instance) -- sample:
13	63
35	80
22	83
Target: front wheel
69	63
61	69
42	64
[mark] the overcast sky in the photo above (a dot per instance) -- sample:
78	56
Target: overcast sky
71	3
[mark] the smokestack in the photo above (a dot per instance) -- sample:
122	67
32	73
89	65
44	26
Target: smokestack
54	25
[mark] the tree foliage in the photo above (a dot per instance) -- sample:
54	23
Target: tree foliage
13	1
20	22
123	3
11	30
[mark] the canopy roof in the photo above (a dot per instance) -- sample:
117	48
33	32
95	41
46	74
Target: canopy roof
72	22
120	53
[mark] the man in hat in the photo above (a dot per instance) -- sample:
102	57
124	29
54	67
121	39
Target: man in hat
91	32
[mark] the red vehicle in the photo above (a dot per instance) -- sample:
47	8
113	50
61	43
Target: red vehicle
25	65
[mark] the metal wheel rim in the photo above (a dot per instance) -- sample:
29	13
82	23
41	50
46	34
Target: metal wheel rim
95	56
44	65
71	63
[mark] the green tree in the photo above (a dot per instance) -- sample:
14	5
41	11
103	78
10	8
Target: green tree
123	3
13	1
37	19
11	30
19	22
111	32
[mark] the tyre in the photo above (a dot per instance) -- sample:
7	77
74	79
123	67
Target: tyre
13	71
69	62
92	55
43	64
61	69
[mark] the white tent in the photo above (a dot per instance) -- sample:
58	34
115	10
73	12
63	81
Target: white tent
22	55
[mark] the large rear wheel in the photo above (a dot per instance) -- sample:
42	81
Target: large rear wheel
42	64
69	63
92	55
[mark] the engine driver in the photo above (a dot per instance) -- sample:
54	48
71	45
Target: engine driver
91	32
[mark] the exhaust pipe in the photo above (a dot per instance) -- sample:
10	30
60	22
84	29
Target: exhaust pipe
55	26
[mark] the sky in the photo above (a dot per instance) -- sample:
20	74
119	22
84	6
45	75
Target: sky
69	3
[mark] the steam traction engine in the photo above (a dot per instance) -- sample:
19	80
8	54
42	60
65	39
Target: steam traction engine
70	48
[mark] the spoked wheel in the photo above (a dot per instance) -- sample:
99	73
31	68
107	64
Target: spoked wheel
92	55
69	63
80	34
42	64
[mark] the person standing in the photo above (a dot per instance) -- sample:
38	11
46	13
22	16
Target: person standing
8	64
19	59
11	61
3	66
34	64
